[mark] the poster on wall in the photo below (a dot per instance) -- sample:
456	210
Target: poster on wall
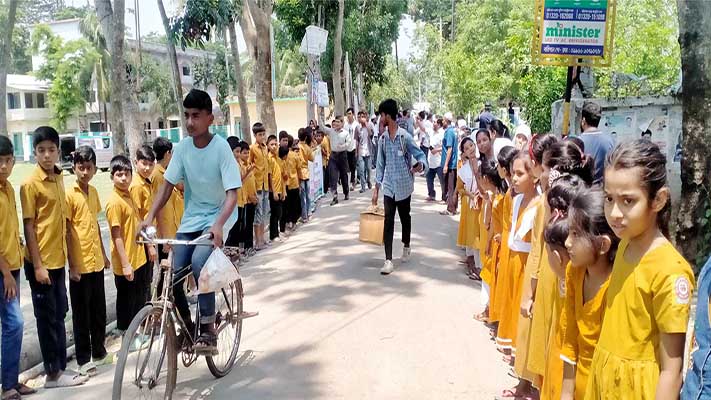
573	32
316	175
621	125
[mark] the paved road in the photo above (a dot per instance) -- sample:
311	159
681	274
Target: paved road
331	327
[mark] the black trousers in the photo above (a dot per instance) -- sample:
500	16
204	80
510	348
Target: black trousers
131	296
403	210
242	232
352	165
452	196
49	303
233	238
89	316
275	217
326	179
338	169
293	206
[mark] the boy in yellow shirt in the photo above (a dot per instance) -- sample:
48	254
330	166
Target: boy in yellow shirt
170	216
128	258
323	142
87	248
258	156
293	199
142	189
242	232
10	263
44	215
304	186
278	194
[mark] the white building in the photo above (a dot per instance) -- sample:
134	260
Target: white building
27	108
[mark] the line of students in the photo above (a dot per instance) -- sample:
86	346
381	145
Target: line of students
584	295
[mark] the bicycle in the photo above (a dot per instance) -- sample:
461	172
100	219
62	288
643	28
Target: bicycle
147	362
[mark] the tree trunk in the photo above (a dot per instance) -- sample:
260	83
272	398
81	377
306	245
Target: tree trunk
361	94
112	27
338	100
256	25
244	124
695	42
4	61
173	55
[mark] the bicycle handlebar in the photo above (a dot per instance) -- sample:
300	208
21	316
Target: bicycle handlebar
149	238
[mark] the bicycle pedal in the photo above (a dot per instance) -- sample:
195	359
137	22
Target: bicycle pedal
247	314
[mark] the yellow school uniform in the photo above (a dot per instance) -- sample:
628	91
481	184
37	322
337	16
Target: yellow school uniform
493	258
502	264
325	150
277	179
10	247
643	300
307	155
525	346
553	374
468	234
546	292
519	243
85	247
141	190
258	157
249	185
486	275
293	162
44	202
583	323
122	213
172	213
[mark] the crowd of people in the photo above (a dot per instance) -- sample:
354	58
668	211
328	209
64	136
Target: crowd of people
583	293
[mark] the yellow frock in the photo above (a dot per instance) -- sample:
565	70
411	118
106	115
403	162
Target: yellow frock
643	300
468	235
583	323
493	259
503	264
553	373
525	346
511	283
489	261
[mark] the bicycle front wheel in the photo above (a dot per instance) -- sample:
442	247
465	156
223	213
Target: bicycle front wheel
147	363
228	306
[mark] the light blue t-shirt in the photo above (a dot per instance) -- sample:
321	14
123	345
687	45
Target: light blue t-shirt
207	174
450	142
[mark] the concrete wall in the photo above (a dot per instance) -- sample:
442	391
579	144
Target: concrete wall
290	114
626	118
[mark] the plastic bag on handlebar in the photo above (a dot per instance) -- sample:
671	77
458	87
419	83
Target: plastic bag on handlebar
218	272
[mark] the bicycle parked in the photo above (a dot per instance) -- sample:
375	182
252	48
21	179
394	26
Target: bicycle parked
147	363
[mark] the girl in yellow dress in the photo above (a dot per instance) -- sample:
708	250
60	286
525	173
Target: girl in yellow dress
591	245
640	351
468	235
494	186
519	243
505	159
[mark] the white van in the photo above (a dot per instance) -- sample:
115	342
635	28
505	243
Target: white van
103	147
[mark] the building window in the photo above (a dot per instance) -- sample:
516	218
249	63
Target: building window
13	101
29	101
186	70
34	100
40	100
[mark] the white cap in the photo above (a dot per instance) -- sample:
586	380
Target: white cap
448	116
461	123
524	130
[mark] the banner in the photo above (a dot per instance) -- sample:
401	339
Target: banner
574	32
316	175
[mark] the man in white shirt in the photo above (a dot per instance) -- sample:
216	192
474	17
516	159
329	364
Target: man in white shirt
435	162
364	148
340	141
350	127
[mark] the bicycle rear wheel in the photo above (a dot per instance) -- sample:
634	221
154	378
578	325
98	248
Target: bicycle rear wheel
147	363
228	306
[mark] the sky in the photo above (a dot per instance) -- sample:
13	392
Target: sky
150	21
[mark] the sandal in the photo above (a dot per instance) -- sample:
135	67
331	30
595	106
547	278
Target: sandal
508	394
88	369
66	380
483	316
11	394
24	389
206	345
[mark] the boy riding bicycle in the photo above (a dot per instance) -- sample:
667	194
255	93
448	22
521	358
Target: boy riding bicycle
206	166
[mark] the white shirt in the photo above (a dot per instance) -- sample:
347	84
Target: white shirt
339	140
364	140
435	160
350	128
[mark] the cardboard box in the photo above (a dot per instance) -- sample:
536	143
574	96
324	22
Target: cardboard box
372	224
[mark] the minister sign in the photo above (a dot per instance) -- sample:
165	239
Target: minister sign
573	32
